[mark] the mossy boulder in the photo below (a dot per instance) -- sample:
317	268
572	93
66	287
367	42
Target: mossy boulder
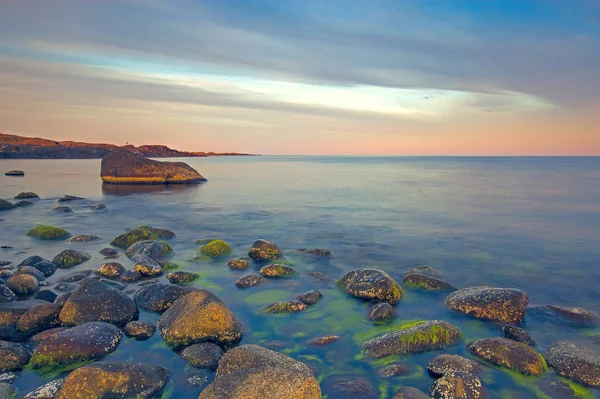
111	270
139	330
23	284
381	311
86	342
147	267
275	270
310	297
371	284
130	237
158	297
95	301
27	195
250	371
70	258
503	304
573	316
409	393
49	233
69	198
285	307
249	280
5	205
511	354
424	282
32	271
39	318
10	312
182	277
457	385
263	251
155	250
199	317
13	356
517	334
84	238
103	380
216	249
203	356
577	362
160	233
445	363
416	338
238	264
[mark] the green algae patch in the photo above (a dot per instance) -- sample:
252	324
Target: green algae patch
48	233
27	195
264	298
216	249
130	237
46	367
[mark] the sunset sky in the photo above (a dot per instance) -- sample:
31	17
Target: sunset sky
366	77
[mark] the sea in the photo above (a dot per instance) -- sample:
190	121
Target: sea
531	223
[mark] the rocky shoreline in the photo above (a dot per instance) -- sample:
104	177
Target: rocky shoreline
68	325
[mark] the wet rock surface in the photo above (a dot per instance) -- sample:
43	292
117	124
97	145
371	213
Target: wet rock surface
350	387
444	364
38	319
140	330
46	391
576	362
457	385
310	297
381	311
152	249
503	304
263	251
371	284
23	284
111	270
575	316
158	297
180	277
425	282
147	267
517	334
203	356
238	264
393	370
511	354
84	238
249	280
70	258
10	312
275	270
409	393
13	356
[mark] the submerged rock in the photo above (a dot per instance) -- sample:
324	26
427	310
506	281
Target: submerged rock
23	203
46	267
409	393
23	284
323	341
393	370
140	330
575	316
158	297
555	388
62	209
160	233
49	233
249	371
39	318
199	317
27	195
5	205
111	270
152	249
444	364
95	301
76	276
425	282
203	356
310	297
419	337
98	207
238	264
69	198
371	284
17	173
70	258
111	252
511	354
285	307
517	334
216	249
181	277
275	270
103	380
84	238
382	311
46	391
13	356
130	237
46	295
457	385
350	387
503	304
576	362
317	251
128	168
263	251
249	280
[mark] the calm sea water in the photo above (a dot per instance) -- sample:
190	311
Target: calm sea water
529	223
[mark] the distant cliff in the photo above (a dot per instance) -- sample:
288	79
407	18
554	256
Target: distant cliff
12	146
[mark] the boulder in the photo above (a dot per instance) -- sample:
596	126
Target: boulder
425	282
46	267
382	311
147	266
285	307
27	195
11	334
70	258
203	356
69	198
517	334
310	297
103	380
6	295
371	284
39	318
95	301
13	356
275	270
152	249
32	271
10	312
250	371
46	391
324	341
111	270
5	205
575	316
140	330
181	277
503	304
23	203
511	354
409	393
216	249
32	260
130	237
393	370
84	238
98	207
238	264
416	338
317	251
576	362
249	280
7	390
350	386
457	385
109	252
444	364
555	388
199	317
128	168
62	209
263	251
48	233
160	233
131	276
17	173
39	337
76	276
46	295
158	297
23	284
86	342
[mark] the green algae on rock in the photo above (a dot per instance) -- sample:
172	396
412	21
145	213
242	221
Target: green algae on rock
503	304
250	371
371	284
69	198
511	354
49	233
275	270
70	258
130	237
416	338
181	277
216	249
23	284
576	362
263	250
425	282
160	233
285	307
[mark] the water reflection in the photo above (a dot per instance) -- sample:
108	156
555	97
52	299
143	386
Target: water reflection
129	189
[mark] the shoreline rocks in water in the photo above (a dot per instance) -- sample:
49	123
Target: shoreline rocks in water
457	385
127	168
49	233
502	304
511	354
575	316
576	362
6	205
371	284
263	250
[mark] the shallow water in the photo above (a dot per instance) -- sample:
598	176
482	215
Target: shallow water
528	223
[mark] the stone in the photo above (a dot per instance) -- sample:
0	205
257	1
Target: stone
445	363
39	318
152	249
317	251
181	277
32	271
103	380
140	330
517	334
371	284
555	388
575	316
10	312
310	297
249	280
62	209
507	305
11	334
415	338
199	316
238	264
46	391
457	385
69	198
131	276
249	371
9	377
130	237
6	390
323	341
382	311
86	342
576	362
275	270
98	207
263	251
319	276
46	295
111	270
32	260
355	387
409	393
23	284
147	267
511	354
13	356
27	195
23	203
108	252
63	298
393	370
203	356
6	295
76	276
70	258
158	297
425	282
216	249
48	233
6	205
160	233
39	337
95	301
46	267
285	307
15	173
84	238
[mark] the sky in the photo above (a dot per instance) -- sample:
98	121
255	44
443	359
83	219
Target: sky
359	77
